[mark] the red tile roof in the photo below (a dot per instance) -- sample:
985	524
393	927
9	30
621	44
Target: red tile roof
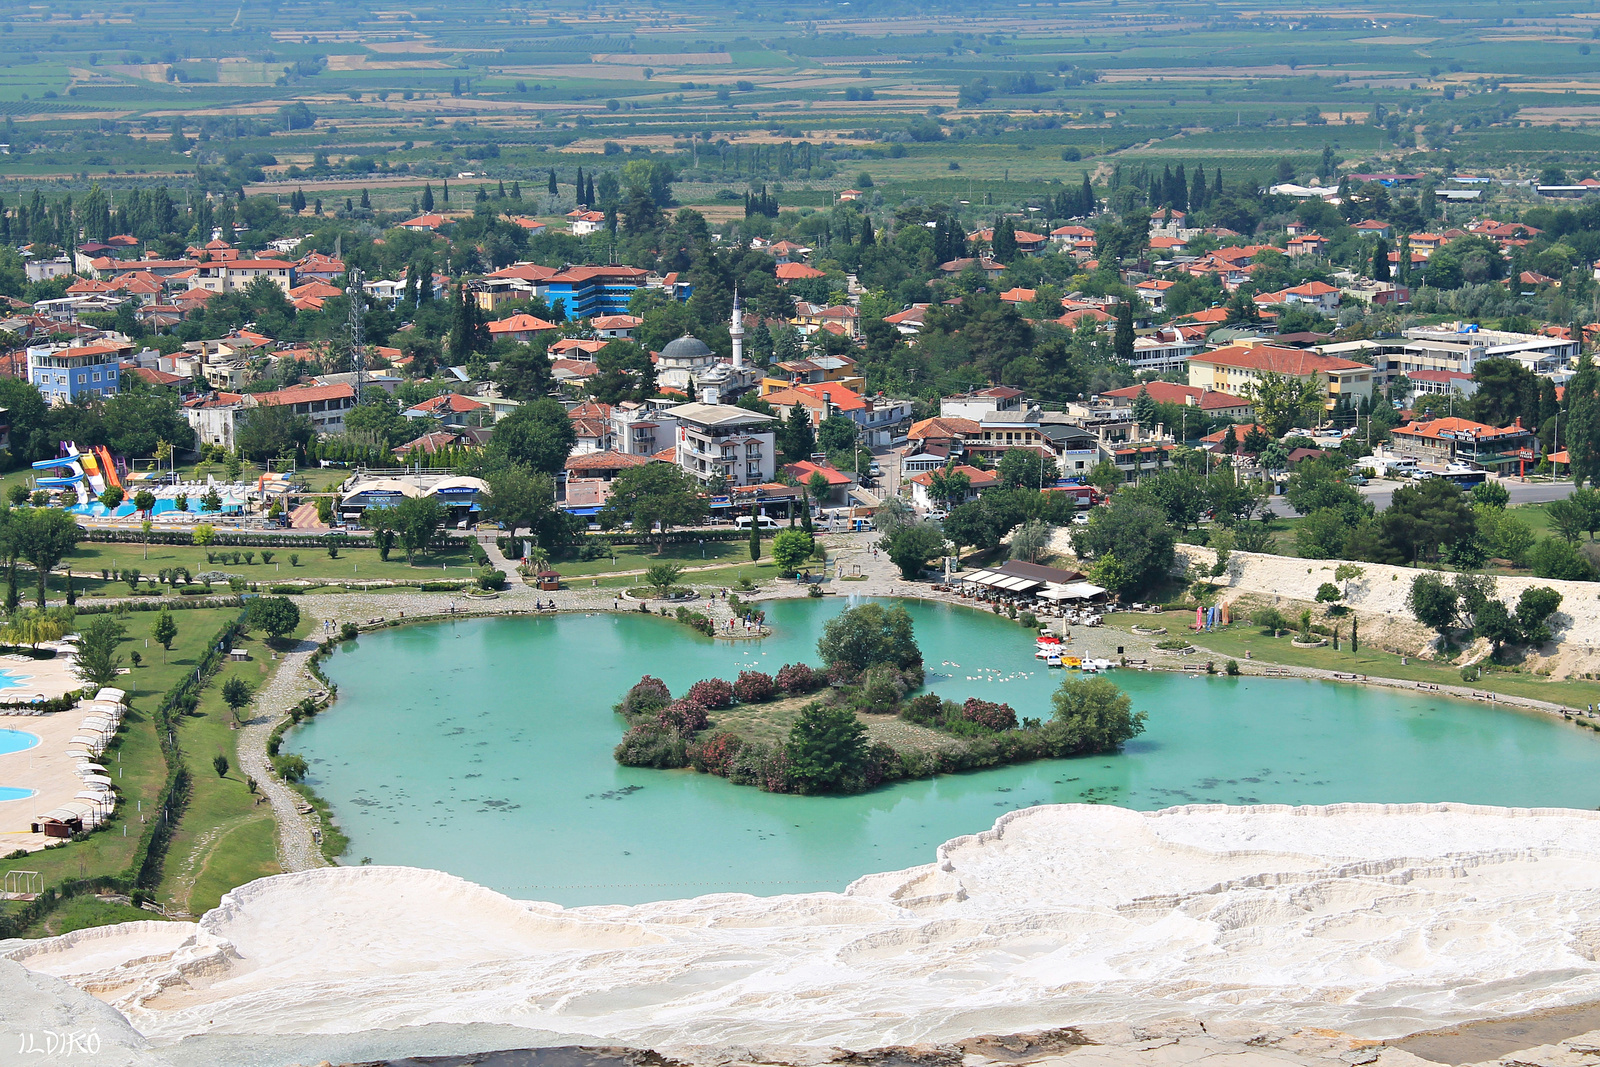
1291	361
605	461
449	403
304	394
521	322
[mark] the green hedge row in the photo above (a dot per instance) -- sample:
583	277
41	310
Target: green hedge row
144	871
224	538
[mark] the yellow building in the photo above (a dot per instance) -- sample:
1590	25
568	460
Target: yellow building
1234	368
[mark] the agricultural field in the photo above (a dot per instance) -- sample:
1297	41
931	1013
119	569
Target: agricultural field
927	104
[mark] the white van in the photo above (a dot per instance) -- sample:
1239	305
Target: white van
762	521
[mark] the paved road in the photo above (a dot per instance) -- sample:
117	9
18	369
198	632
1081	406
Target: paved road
1381	492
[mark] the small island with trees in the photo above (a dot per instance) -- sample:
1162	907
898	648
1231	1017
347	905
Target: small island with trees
853	724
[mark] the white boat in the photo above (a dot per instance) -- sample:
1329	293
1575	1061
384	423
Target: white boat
1048	648
1094	666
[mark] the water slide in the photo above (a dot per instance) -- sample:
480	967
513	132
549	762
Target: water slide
74	478
91	468
108	465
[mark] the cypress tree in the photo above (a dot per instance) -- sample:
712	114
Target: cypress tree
1380	261
446	183
866	232
1088	196
553	189
427	196
1216	185
366	199
1122	345
577	190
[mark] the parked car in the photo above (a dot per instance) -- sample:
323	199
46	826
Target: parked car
1357	479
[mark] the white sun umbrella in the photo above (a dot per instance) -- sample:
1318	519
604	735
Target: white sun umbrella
88	767
98	779
91	743
98	722
116	696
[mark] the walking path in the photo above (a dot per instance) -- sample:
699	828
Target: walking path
291	683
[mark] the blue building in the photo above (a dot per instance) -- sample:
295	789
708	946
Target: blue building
589	291
63	374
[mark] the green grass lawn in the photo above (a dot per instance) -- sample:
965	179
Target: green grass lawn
1236	640
712	577
638	557
352	564
226	838
135	761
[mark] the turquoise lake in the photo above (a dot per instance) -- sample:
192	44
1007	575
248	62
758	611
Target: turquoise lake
483	747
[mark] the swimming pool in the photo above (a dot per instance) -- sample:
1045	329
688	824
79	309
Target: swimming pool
12	793
96	510
16	741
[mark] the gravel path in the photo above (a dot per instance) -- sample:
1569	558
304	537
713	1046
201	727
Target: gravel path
291	683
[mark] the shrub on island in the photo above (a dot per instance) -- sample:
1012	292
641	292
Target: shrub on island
647	696
711	693
797	679
989	715
754	687
649	745
687	716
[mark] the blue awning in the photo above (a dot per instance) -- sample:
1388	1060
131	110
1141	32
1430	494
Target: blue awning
582	511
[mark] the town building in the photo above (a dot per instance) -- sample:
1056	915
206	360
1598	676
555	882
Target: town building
231	275
1460	346
63	373
1453	440
977	481
980	402
587	485
324	405
1236	368
1208	402
1163	351
720	439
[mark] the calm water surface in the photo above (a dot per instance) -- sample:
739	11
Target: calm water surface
483	748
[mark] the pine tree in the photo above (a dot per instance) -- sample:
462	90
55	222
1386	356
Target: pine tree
1144	409
1230	442
427	196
